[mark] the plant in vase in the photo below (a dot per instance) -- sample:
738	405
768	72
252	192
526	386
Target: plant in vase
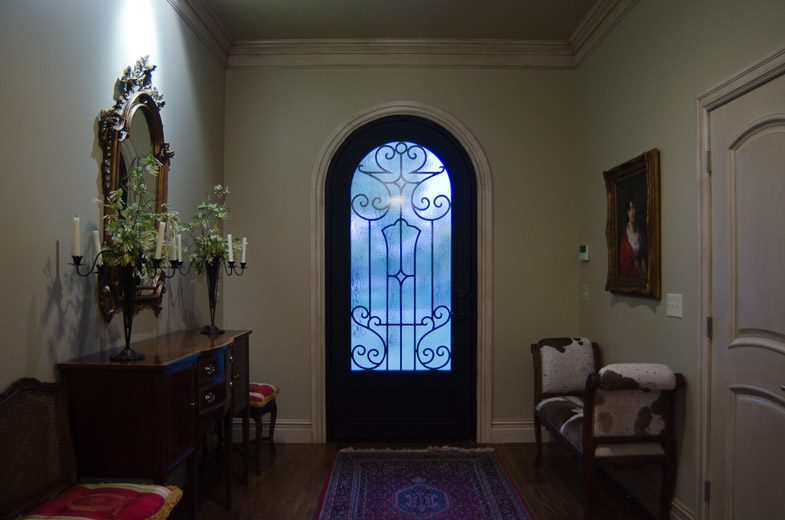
132	240
210	248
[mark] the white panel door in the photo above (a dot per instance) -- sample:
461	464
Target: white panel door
747	438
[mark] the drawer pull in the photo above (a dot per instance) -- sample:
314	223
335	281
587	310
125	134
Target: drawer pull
231	383
192	404
231	358
209	398
209	369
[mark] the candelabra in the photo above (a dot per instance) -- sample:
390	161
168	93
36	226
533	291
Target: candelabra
128	278
212	269
128	282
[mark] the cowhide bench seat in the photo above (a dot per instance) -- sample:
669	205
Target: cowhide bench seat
620	415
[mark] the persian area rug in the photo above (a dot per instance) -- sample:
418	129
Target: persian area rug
432	484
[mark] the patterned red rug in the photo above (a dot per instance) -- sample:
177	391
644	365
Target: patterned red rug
432	484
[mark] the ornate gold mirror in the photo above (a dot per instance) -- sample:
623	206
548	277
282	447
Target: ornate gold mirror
128	132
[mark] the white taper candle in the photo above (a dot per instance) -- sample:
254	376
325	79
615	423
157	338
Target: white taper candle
231	251
159	243
179	247
245	244
76	247
97	240
172	245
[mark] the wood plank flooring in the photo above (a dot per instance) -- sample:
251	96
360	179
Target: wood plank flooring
291	483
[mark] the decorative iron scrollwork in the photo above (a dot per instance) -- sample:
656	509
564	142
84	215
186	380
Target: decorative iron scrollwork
401	222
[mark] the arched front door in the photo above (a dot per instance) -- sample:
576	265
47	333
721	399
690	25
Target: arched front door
401	278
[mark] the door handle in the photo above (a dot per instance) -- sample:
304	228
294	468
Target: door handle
782	388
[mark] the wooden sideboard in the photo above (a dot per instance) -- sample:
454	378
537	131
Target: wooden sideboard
145	419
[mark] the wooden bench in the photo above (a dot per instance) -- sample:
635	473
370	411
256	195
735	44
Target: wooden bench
38	472
620	415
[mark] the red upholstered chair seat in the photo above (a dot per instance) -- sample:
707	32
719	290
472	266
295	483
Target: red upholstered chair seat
110	501
259	394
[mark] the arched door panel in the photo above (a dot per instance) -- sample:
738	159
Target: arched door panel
401	264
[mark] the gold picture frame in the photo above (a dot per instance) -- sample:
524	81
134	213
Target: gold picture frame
633	227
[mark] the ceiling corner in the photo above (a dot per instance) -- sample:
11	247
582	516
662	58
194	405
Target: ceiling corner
596	25
202	20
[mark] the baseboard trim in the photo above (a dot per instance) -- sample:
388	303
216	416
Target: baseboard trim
515	431
299	431
292	431
644	486
679	511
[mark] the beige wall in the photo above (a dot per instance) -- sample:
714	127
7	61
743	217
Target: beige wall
548	136
638	91
60	61
279	120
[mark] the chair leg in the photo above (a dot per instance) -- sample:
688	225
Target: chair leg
666	494
257	419
538	439
273	417
588	486
246	455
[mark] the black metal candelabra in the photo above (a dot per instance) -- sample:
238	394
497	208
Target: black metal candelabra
128	282
212	268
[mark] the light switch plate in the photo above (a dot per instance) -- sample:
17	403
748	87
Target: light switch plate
673	305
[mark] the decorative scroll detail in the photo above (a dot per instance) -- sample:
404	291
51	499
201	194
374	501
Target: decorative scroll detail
134	87
400	226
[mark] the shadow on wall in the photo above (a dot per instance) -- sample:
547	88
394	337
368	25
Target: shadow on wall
50	332
67	328
182	306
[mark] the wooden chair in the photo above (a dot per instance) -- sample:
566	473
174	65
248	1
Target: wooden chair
261	401
624	419
38	467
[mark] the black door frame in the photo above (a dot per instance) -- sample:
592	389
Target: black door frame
464	249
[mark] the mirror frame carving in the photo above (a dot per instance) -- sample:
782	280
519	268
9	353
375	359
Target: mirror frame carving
133	93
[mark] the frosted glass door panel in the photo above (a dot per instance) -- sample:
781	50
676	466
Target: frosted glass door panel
401	257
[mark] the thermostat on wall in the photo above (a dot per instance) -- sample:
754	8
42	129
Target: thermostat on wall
583	252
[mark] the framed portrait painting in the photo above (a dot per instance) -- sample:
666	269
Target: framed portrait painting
633	227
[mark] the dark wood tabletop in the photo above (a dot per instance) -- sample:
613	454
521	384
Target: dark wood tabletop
159	351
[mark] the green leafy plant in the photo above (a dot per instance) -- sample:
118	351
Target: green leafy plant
207	239
130	222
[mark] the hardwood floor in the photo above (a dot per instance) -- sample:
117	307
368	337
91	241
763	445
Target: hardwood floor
292	481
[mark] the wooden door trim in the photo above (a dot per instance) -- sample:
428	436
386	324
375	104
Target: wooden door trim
482	172
767	69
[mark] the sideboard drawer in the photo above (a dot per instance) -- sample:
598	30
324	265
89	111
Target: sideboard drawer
211	366
212	397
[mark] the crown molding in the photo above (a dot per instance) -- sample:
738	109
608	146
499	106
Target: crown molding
603	16
401	53
205	25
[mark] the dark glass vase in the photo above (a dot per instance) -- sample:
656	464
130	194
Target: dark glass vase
212	269
128	283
